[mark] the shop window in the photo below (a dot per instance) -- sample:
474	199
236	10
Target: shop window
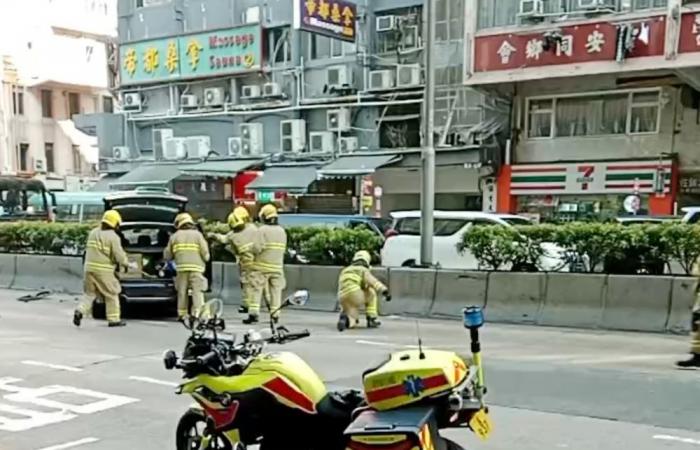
18	101
23	157
46	103
634	112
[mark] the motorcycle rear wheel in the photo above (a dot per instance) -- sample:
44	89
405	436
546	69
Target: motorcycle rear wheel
190	431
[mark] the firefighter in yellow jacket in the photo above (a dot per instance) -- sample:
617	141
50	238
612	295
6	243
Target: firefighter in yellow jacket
358	288
190	251
694	361
269	265
243	243
104	257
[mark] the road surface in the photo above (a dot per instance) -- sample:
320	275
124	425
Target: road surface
96	388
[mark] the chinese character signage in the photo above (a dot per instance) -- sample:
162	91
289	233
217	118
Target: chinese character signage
572	44
332	18
222	52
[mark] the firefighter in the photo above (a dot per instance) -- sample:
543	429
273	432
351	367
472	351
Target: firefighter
694	361
269	265
242	241
104	257
358	288
190	251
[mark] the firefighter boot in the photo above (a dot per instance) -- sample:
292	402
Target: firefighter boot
77	318
372	322
692	363
251	320
116	324
343	322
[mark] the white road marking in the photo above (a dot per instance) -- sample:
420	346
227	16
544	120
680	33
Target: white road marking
665	437
52	366
608	359
22	419
378	344
90	440
153	381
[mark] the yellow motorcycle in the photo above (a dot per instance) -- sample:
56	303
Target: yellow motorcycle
247	397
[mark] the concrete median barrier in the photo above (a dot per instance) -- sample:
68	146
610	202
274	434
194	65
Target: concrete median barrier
8	266
320	281
636	303
53	273
573	300
514	297
230	284
412	290
217	280
455	290
682	301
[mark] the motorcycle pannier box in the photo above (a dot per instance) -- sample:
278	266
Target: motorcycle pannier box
409	377
412	428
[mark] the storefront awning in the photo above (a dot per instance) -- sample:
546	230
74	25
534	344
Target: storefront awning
350	166
149	175
87	145
220	168
288	179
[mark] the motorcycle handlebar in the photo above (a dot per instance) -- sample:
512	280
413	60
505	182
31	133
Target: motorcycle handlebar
288	337
206	359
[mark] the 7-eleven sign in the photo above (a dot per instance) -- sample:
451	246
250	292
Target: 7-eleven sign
586	176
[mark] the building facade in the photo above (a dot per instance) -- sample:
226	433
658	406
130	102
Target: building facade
275	89
54	67
605	103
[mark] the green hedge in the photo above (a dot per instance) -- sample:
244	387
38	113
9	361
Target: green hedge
611	248
311	245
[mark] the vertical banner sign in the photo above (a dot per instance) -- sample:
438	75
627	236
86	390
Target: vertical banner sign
333	18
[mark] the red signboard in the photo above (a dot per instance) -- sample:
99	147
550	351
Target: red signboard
572	44
690	34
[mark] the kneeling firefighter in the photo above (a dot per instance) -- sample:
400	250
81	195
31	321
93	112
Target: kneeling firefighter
190	251
358	288
104	256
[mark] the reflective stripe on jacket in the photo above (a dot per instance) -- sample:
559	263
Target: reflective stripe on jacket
273	246
104	252
189	250
245	245
358	278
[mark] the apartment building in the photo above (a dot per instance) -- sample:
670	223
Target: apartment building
317	104
605	102
54	67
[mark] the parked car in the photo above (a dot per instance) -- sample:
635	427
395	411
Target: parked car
378	225
642	220
402	247
24	199
691	214
147	223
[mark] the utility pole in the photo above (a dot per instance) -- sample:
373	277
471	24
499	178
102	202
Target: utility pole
428	153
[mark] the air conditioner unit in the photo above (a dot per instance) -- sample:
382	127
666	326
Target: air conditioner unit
189	101
131	101
407	75
293	136
250	91
175	148
121	153
338	119
158	140
39	165
531	8
272	90
596	4
235	145
197	147
339	77
252	138
386	23
252	15
214	97
381	79
321	142
348	144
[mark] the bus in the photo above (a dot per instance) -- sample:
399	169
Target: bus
77	207
24	199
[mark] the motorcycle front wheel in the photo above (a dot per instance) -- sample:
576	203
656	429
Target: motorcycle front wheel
191	430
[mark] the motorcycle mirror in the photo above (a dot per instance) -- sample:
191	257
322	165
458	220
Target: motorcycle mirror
299	298
213	308
169	360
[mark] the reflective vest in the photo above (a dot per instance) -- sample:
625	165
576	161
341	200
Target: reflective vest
189	250
273	246
104	252
357	278
245	245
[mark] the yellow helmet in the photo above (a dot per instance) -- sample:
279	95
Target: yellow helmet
241	213
268	212
234	220
183	219
112	218
363	256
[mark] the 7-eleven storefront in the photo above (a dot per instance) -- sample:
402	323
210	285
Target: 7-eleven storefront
587	190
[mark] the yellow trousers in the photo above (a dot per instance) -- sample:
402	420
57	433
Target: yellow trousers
352	303
106	286
186	283
269	286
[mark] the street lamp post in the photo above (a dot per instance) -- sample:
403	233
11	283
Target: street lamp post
428	153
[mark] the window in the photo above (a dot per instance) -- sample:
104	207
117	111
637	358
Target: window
77	165
449	23
442	227
18	101
635	112
107	104
73	104
48	154
319	46
147	3
278	40
406	35
47	103
23	157
341	48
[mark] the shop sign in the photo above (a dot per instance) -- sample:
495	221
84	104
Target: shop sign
265	196
333	18
601	41
690	184
221	52
610	177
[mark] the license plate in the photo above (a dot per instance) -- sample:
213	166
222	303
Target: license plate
481	424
